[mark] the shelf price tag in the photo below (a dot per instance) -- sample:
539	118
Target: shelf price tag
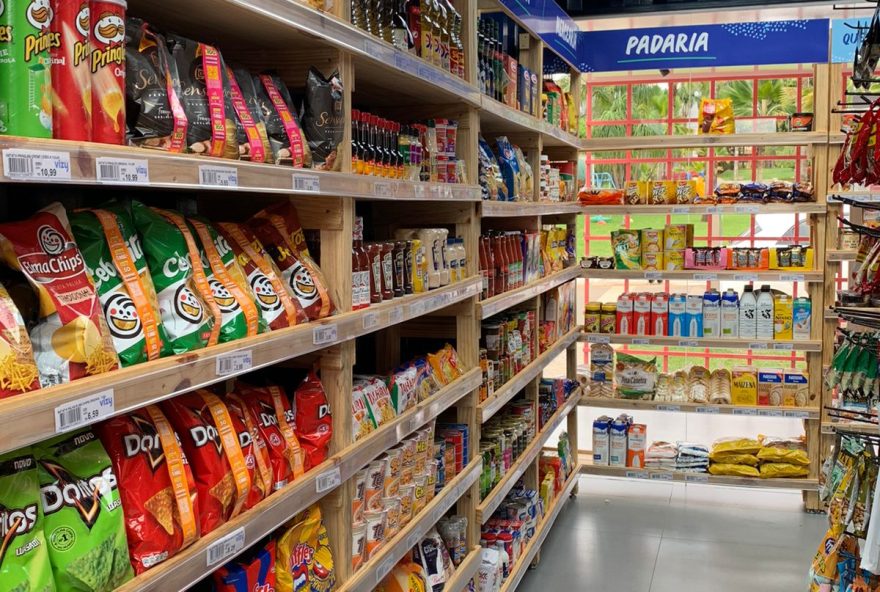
226	547
385	568
791	277
785	346
688	343
325	334
653	275
593	338
770	413
709	277
419	190
328	480
672	408
382	189
371	319
417	309
310	183
681	209
661	476
36	165
757	345
117	170
797	414
743	209
641	341
715	210
745	277
750	412
708	409
218	176
235	363
84	411
696	478
637	475
396	315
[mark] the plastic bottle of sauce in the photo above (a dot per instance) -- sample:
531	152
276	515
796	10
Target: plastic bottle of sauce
399	256
375	252
484	269
501	265
408	267
360	268
387	270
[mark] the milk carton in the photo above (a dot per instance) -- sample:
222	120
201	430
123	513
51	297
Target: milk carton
782	317
624	314
618	443
730	314
802	315
748	314
637	442
660	314
601	443
694	316
678	315
765	326
642	314
770	386
712	314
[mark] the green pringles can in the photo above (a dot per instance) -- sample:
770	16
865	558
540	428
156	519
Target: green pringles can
26	36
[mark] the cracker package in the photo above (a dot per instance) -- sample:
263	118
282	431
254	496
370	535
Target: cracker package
156	485
115	260
403	384
84	521
377	398
253	448
286	138
361	422
210	443
24	558
313	422
18	370
72	339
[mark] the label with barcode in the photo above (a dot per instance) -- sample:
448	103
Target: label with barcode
791	277
436	192
745	277
328	480
84	411
708	409
382	189
413	539
798	414
447	192
419	191
405	427
770	413
384	569
709	277
636	475
371	319
696	478
752	209
218	176
640	341
681	209
714	210
117	170
36	165
303	182
235	363
688	343
673	408
226	547
661	476
325	334
653	275
598	338
396	315
751	412
787	346
417	309
758	345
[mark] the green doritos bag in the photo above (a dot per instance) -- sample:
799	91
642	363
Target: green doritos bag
115	260
24	559
84	524
187	318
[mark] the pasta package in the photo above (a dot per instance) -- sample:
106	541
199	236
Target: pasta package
72	339
635	378
18	370
774	470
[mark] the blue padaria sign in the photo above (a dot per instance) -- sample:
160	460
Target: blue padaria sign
846	36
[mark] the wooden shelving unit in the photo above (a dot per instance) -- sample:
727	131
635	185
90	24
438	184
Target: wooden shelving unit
807	345
705	409
723	274
706	209
704	141
502	302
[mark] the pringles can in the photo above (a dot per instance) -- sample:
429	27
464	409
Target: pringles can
26	91
71	74
108	70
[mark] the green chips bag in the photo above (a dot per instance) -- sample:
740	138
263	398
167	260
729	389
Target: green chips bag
115	260
83	520
187	320
24	560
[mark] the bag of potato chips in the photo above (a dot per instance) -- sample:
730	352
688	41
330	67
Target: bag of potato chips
24	558
84	521
18	370
72	339
303	557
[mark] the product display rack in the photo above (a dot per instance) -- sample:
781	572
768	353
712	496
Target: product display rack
502	302
811	345
703	408
746	208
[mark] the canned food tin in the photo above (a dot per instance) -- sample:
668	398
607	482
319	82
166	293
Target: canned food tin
71	72
108	70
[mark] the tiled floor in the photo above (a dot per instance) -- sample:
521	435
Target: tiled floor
632	536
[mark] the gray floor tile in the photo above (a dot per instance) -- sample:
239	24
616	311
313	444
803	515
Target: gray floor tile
738	497
617	515
656	491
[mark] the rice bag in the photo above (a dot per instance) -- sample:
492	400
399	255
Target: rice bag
735	445
773	470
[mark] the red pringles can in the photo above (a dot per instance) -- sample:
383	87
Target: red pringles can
108	70
71	73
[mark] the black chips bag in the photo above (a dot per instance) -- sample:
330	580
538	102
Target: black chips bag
323	118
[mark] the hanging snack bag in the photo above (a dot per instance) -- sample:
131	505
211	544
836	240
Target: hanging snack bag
253	141
278	307
239	312
18	370
716	116
84	521
211	129
286	137
115	260
313	421
154	115
72	340
24	559
210	443
275	421
156	485
279	229
169	249
323	118
253	448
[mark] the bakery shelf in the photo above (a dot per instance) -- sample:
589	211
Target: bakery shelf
487	507
465	571
519	569
700	210
496	118
703	141
840	255
31	417
812	345
516	209
692	274
184	172
502	302
588	468
508	391
374	571
705	409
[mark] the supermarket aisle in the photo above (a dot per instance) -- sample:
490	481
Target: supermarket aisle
631	536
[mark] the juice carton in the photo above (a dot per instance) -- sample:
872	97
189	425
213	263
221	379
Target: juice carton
782	317
744	386
678	315
637	442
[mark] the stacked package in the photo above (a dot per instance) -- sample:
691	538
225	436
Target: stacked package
767	457
692	458
661	455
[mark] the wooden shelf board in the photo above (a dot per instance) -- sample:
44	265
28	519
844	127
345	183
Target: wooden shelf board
701	210
840	255
705	409
703	141
517	209
811	345
496	118
502	302
830	427
691	274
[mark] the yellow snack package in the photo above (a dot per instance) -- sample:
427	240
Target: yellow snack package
772	470
783	455
733	470
734	459
736	445
716	116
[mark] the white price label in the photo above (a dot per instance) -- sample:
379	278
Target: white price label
592	338
371	319
84	411
412	540
382	189
758	345
672	408
714	209
661	476
226	547
641	341
709	277
798	414
696	478
637	475
235	363
419	191
688	343
707	409
417	309
653	275
384	569
325	334
791	277
681	209
218	176
752	209
396	315
447	192
745	277
435	191
36	165
770	413
785	346
117	170
750	412
405	427
328	480
310	183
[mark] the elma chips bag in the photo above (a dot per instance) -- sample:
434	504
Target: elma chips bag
156	484
84	522
24	559
72	340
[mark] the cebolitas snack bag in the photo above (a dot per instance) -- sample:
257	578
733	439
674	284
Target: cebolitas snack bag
253	448
72	340
188	322
157	488
279	308
24	557
211	445
116	263
279	229
313	421
84	521
18	370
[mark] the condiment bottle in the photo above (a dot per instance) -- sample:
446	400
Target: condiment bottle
360	268
387	271
399	261
375	252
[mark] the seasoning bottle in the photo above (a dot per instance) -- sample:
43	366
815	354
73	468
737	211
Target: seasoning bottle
457	47
368	156
426	31
502	265
443	28
408	268
414	20
387	271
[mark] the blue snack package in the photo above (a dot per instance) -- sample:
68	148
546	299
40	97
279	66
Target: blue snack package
509	168
253	572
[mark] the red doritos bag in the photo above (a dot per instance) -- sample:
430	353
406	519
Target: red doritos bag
253	448
314	423
275	421
211	445
156	486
